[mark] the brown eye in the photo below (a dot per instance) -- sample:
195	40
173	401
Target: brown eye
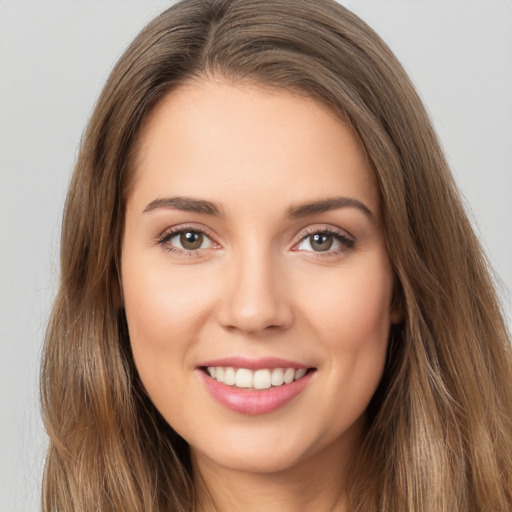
187	242
191	240
325	241
321	242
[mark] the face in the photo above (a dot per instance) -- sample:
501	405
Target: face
256	283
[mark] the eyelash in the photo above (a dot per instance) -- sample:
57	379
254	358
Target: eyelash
346	243
172	232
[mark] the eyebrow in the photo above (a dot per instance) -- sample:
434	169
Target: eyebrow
186	204
189	204
324	205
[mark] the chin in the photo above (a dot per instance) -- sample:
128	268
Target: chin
266	451
251	461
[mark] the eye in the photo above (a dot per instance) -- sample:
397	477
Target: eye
324	241
319	242
185	240
189	240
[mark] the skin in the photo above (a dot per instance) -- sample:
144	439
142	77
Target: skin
256	287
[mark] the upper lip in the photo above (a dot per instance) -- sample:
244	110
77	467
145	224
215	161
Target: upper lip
254	364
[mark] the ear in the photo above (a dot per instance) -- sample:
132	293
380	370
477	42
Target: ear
396	315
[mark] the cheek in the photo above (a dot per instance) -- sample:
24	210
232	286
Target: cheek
163	314
352	309
165	310
148	306
350	317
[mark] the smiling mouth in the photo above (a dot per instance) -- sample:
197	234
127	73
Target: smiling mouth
264	378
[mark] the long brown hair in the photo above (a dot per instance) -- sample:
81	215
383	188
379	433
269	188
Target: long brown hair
440	424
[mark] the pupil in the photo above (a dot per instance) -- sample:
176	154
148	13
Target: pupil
191	240
321	242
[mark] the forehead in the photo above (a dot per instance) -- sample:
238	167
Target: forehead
234	142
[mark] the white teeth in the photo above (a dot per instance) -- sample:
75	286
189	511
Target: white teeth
262	379
229	376
289	375
243	378
277	377
300	373
258	379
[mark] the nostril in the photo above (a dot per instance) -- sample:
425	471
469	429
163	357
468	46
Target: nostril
251	319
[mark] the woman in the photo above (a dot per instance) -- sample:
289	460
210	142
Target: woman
270	293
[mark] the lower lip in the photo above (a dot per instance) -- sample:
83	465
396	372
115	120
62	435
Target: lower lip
253	402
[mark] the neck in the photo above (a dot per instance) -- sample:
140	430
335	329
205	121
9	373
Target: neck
315	484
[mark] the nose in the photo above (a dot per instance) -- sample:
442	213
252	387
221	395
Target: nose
254	297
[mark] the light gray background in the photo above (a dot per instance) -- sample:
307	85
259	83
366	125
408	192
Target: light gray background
54	58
